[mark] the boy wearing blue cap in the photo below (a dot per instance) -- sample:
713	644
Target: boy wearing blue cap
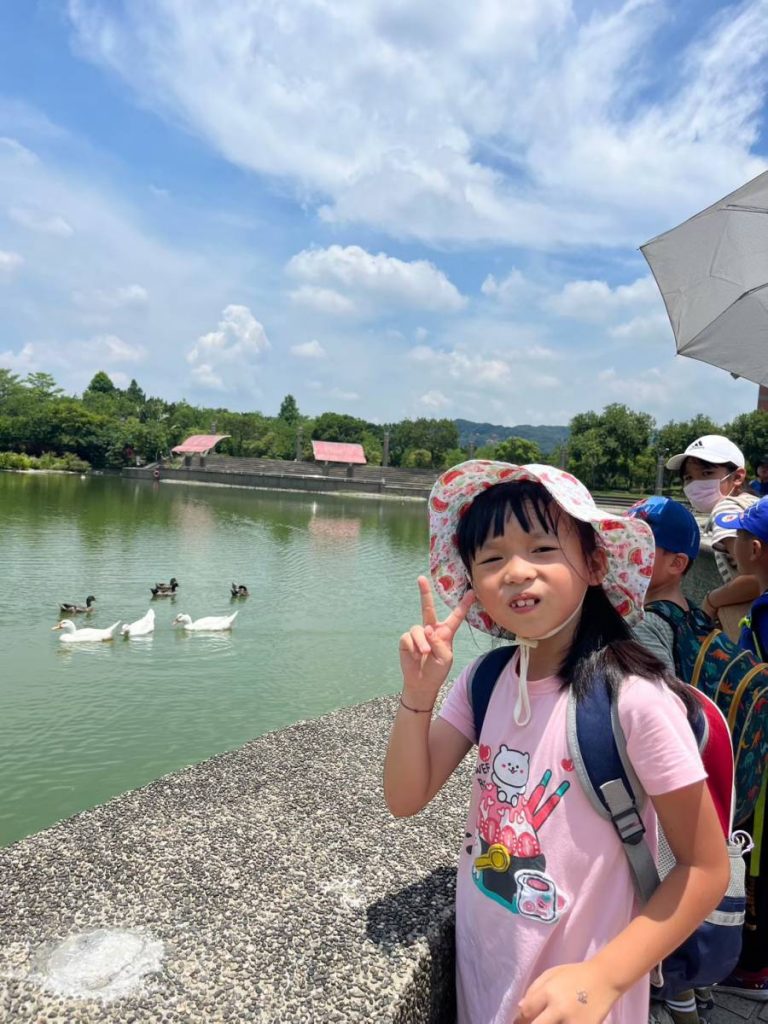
677	544
750	551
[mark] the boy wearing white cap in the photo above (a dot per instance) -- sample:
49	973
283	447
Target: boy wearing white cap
713	474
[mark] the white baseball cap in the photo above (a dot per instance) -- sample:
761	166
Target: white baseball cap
712	448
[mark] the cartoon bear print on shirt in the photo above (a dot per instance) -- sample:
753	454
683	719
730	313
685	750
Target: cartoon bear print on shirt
510	773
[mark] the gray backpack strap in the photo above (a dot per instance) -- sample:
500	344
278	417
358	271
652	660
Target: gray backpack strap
598	749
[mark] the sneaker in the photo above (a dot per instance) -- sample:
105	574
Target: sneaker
747	984
705	1004
659	1014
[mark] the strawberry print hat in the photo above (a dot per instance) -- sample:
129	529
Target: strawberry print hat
628	544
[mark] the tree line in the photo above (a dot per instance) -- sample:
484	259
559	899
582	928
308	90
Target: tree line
110	427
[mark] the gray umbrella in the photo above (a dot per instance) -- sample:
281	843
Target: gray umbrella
712	272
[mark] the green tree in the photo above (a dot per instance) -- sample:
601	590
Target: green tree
417	458
289	410
750	432
134	394
42	385
101	383
10	387
518	451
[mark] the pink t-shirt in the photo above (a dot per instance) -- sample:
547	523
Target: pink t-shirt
542	878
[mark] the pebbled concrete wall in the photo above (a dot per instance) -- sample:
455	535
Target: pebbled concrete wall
275	878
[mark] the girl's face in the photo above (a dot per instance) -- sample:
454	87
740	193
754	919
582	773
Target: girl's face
531	583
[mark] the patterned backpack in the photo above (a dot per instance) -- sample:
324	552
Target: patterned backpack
736	681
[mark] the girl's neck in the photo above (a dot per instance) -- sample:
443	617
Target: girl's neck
548	655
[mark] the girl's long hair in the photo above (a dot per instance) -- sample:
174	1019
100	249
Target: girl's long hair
602	645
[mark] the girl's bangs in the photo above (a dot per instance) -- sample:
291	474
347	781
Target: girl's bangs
529	502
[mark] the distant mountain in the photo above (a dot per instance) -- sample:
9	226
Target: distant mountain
479	434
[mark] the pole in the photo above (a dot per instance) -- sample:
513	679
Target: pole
385	452
660	473
299	444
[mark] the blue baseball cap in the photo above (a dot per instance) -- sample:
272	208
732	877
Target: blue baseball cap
753	519
673	525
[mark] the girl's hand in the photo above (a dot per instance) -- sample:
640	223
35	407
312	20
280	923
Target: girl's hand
426	651
571	994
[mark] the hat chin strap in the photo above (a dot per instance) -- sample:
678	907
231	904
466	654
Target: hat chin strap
525	643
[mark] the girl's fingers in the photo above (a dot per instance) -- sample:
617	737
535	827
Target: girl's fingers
420	642
459	613
407	648
428	614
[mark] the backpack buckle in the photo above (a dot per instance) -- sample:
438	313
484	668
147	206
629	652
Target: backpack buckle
623	811
629	825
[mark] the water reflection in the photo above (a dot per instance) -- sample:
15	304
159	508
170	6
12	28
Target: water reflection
332	585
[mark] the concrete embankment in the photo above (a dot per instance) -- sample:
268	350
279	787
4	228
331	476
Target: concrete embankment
267	884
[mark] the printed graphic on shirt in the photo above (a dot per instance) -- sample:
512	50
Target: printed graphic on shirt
509	864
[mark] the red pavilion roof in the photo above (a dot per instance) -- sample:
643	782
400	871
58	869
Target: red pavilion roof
199	444
333	451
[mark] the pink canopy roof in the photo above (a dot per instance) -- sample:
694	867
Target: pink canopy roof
199	444
332	451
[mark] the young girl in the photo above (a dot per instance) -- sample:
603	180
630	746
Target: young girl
547	567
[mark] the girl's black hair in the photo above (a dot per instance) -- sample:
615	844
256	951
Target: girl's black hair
602	645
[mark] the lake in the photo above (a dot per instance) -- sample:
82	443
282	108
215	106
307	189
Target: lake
332	584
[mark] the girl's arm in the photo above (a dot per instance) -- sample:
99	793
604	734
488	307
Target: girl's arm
420	758
422	754
584	993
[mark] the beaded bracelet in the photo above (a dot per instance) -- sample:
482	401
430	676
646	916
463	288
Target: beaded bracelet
417	711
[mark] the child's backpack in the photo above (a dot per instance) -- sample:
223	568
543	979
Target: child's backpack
735	680
597	747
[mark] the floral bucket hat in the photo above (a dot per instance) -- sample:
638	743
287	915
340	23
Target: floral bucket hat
628	544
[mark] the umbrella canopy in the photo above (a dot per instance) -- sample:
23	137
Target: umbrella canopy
712	272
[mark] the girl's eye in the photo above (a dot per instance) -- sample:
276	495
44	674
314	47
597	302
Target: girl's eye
544	548
489	559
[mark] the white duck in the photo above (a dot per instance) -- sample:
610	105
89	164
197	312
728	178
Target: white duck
209	624
72	635
141	627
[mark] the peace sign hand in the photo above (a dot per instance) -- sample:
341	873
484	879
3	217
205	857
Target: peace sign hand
426	651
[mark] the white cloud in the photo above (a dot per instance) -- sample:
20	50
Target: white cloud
324	300
41	221
227	357
535	123
107	299
435	400
377	278
597	302
114	349
309	350
9	261
344	396
511	290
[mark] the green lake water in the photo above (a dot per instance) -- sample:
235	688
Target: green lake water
332	583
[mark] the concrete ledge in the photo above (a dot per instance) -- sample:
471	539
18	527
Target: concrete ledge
276	879
307	482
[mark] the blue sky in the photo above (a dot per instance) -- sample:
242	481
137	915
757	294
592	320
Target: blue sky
385	207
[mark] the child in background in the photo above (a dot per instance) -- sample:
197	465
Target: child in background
677	537
750	979
759	486
524	551
712	471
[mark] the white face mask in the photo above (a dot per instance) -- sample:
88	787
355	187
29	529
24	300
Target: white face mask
704	494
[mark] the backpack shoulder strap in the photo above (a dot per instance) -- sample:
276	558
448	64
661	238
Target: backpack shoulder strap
672	613
598	749
756	620
482	679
